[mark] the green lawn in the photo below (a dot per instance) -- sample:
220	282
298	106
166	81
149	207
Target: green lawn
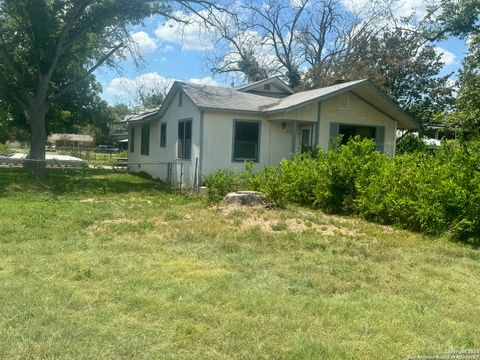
111	266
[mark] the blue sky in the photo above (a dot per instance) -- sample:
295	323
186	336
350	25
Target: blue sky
174	54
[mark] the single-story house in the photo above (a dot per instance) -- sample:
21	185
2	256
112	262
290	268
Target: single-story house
72	141
200	129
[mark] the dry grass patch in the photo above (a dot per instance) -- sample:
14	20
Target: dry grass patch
148	274
296	221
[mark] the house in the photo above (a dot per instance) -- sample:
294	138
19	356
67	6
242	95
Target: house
200	129
72	141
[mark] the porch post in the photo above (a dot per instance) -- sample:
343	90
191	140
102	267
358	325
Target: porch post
294	135
317	127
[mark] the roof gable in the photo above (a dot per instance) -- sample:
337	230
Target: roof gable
273	87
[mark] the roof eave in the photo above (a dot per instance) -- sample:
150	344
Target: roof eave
315	100
408	117
211	109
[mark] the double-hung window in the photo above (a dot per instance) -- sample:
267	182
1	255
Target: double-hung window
132	139
246	140
163	135
184	150
145	143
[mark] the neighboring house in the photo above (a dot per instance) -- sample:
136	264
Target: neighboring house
206	128
71	141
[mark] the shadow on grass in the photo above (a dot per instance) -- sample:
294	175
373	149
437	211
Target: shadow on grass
75	181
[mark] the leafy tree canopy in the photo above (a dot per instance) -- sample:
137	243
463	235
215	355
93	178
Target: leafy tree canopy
49	50
401	64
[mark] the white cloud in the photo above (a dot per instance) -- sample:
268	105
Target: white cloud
399	8
167	48
193	35
448	57
125	90
144	42
207	80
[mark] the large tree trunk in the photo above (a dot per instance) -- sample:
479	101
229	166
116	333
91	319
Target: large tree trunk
37	113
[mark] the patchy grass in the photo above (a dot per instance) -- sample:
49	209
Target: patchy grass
111	266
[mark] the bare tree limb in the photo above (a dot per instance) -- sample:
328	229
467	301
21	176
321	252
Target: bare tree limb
99	63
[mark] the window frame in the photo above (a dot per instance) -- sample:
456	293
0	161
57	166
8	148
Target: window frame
239	121
163	135
132	139
184	121
145	146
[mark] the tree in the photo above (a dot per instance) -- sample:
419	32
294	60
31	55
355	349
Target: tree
401	64
149	99
451	17
460	18
281	37
467	111
239	51
49	48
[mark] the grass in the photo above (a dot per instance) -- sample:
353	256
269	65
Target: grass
111	266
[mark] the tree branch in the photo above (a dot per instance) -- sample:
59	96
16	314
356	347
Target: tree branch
99	63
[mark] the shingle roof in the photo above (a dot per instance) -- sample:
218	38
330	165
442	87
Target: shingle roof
215	97
221	98
303	97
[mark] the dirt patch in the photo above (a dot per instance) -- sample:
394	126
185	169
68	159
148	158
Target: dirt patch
273	221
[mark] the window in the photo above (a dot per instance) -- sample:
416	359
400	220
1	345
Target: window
306	140
180	99
163	135
132	139
266	87
145	143
350	131
246	140
376	133
184	150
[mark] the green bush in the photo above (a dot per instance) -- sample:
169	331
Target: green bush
301	176
410	144
337	193
270	183
434	192
220	183
5	150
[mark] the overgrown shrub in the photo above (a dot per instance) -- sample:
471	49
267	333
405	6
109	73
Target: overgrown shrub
270	182
410	144
220	183
301	176
432	192
5	150
338	191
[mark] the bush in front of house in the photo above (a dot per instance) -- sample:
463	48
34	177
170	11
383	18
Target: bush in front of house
220	183
410	144
431	192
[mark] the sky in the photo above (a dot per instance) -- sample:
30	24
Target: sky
172	52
